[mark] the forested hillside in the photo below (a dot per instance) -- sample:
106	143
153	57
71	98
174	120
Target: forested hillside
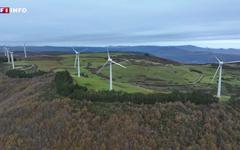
32	116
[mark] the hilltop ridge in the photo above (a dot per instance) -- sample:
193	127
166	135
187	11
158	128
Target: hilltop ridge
184	54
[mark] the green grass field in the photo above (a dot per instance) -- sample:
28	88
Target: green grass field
140	75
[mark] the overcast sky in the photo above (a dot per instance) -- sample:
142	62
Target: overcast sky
208	23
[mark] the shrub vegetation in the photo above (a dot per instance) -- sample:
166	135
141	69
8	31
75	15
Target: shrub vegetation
22	74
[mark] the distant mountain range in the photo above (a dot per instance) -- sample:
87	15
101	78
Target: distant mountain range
185	54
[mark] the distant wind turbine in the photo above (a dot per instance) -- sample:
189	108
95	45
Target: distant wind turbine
77	61
110	61
8	55
25	50
220	70
12	60
5	50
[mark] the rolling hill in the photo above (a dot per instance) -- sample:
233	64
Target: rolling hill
144	73
34	116
184	54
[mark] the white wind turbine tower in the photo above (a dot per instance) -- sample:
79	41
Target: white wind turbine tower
76	57
77	62
8	55
110	61
220	70
5	50
12	60
25	50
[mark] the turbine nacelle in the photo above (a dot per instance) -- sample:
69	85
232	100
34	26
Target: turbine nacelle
220	62
76	52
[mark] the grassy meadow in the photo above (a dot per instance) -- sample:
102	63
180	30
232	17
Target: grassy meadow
141	75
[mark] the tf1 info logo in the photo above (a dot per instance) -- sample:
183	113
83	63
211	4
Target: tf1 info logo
8	10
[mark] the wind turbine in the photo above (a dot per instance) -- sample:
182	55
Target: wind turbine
12	60
220	70
76	57
25	50
5	50
110	61
8	55
77	62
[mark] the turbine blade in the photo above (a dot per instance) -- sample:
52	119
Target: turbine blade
108	53
84	50
215	73
218	59
231	62
118	64
102	67
74	50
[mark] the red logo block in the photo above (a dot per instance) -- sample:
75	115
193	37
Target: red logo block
4	10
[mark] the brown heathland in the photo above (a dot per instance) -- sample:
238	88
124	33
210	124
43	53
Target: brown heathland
33	117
